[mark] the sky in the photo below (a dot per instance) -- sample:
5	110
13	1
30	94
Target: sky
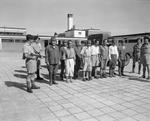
45	17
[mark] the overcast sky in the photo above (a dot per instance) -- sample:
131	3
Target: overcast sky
49	16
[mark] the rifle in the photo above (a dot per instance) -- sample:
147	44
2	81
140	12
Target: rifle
37	53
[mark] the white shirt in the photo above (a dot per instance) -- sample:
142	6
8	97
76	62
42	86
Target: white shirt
113	50
86	51
94	50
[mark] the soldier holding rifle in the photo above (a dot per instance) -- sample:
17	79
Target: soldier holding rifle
30	59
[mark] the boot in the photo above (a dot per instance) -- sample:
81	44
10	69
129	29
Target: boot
113	73
84	79
53	79
110	73
29	87
122	72
139	69
67	79
119	70
70	79
90	76
133	68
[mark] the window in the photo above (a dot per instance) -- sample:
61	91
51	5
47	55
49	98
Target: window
79	33
7	40
132	41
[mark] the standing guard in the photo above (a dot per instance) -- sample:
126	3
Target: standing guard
30	59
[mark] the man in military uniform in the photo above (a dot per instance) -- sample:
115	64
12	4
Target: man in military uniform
30	60
136	55
122	58
52	60
145	57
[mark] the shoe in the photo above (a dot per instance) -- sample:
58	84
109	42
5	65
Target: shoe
96	77
29	90
148	78
90	78
110	76
54	82
84	79
50	83
35	87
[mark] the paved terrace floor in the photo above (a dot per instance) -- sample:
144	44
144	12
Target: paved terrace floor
111	99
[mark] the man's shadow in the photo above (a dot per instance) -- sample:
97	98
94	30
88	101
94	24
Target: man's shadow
20	71
22	76
138	79
46	76
16	84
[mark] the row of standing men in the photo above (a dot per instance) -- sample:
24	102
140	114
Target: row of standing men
73	58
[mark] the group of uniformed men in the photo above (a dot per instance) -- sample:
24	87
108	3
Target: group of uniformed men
86	56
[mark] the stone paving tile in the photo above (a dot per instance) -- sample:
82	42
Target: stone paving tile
75	110
129	112
105	118
62	113
95	112
128	119
69	118
82	116
111	99
90	119
141	117
118	115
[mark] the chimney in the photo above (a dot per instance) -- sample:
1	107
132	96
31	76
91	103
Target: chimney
70	21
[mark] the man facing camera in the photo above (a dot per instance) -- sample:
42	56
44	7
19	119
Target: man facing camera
52	60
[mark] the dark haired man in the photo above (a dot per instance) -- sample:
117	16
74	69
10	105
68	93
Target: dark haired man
104	57
113	56
122	58
78	62
87	64
52	60
63	59
136	55
37	48
145	57
70	61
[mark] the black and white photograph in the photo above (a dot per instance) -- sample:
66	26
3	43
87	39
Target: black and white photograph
74	60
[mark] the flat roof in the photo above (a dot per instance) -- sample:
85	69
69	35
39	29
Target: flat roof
138	34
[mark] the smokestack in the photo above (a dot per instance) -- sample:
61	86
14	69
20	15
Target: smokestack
70	21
